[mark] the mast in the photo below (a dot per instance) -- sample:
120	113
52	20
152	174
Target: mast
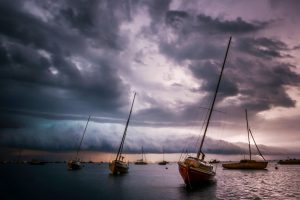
124	134
82	137
213	103
248	133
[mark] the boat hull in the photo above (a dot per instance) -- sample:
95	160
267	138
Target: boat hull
194	176
140	163
74	165
163	163
118	167
253	165
36	162
289	162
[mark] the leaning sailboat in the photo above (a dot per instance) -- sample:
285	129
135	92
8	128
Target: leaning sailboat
245	163
195	170
119	166
75	164
141	161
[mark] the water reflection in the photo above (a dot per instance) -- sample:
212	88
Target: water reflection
145	182
206	190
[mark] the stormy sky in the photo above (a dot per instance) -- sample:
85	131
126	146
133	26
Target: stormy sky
61	61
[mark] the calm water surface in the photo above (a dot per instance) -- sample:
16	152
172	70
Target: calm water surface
54	181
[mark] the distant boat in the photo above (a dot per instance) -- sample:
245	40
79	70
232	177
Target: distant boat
248	164
214	161
195	170
289	162
141	161
118	166
163	162
76	164
36	162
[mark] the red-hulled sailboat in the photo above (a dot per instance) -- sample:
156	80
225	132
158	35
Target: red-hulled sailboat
195	170
119	166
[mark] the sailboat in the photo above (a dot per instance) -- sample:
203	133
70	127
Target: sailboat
118	166
195	170
75	164
141	161
245	163
163	162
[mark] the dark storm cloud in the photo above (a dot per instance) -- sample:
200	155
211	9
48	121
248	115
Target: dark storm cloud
8	122
65	138
253	66
189	49
61	61
262	47
95	19
38	58
209	72
207	24
237	26
157	10
261	86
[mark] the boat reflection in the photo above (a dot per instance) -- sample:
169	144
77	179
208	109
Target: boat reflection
205	190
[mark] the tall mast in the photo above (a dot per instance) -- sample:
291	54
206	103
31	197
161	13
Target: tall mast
82	137
214	99
124	134
248	133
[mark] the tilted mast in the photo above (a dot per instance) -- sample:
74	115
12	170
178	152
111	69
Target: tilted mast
124	134
82	137
213	103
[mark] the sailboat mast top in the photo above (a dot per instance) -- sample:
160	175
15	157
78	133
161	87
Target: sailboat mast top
82	137
124	134
214	99
248	133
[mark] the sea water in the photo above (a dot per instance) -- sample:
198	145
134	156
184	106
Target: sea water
152	181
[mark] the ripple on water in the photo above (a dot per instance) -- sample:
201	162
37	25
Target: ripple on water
283	183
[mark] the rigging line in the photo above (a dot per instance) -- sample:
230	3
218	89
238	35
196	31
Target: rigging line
248	132
213	102
195	143
82	137
195	114
213	110
203	123
256	144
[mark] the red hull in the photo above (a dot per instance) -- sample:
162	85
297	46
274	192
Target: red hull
194	176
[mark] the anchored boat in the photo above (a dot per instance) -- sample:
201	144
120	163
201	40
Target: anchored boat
291	161
75	164
119	166
163	162
141	161
195	170
248	164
